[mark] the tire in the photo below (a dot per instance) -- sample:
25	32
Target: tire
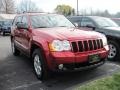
3	33
40	68
15	51
114	50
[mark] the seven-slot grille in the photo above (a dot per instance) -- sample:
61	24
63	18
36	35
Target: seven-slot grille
86	45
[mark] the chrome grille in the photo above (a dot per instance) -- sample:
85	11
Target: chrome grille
86	45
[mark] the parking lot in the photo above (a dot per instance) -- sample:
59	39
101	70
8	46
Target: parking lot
16	73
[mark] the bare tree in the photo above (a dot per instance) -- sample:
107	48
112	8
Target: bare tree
27	6
0	6
7	6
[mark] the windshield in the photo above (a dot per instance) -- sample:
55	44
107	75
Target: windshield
1	23
105	22
8	22
117	21
49	21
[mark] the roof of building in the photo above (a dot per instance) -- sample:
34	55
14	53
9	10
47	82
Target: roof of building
7	16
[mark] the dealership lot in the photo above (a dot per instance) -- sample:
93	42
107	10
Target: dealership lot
16	73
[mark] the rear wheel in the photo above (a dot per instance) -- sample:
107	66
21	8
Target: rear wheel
15	51
39	65
3	33
114	50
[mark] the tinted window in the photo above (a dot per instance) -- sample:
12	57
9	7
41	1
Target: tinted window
86	21
8	22
24	20
19	19
105	22
1	23
75	20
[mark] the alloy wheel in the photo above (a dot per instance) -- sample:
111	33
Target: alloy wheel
37	65
112	52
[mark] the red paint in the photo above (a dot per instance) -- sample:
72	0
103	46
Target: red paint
42	36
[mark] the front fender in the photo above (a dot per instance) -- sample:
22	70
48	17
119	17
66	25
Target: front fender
41	42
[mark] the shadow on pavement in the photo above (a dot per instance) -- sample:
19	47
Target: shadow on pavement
17	74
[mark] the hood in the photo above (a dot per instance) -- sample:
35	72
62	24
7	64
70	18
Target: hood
112	31
66	33
112	28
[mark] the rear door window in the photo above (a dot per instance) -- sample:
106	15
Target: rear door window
76	20
86	21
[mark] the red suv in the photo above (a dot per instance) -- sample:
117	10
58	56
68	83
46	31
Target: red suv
54	43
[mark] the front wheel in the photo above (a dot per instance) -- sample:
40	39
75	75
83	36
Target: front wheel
39	65
114	50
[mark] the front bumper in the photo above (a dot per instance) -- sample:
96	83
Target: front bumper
68	58
79	66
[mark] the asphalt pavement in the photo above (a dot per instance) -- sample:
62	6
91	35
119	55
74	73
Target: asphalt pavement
16	73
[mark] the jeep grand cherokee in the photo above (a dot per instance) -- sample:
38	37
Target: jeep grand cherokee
54	43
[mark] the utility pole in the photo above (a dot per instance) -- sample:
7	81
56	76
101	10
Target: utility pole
77	8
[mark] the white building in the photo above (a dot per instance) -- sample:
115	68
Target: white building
6	16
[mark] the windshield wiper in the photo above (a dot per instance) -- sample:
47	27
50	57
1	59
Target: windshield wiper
62	26
41	27
106	26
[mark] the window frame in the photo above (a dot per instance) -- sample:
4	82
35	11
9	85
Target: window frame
15	21
87	19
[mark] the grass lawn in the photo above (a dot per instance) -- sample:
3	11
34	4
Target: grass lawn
108	83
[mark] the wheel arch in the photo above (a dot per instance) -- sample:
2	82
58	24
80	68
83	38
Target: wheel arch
35	45
117	40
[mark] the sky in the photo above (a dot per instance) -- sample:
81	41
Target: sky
112	6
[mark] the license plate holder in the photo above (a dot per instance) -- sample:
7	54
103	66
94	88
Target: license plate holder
94	58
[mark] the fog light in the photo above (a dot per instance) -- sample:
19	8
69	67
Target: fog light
60	66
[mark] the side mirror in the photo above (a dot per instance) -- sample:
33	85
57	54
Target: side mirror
22	26
91	26
76	24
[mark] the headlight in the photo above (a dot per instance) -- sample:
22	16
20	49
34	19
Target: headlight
104	39
66	45
58	45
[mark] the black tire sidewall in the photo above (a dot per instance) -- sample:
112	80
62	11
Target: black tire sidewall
16	51
44	70
117	48
3	33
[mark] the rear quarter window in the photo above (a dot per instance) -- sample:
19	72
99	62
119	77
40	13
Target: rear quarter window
17	19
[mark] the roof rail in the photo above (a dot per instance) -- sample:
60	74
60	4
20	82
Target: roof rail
33	12
36	12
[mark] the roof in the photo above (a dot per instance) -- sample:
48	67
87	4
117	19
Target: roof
92	17
36	13
115	18
85	16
